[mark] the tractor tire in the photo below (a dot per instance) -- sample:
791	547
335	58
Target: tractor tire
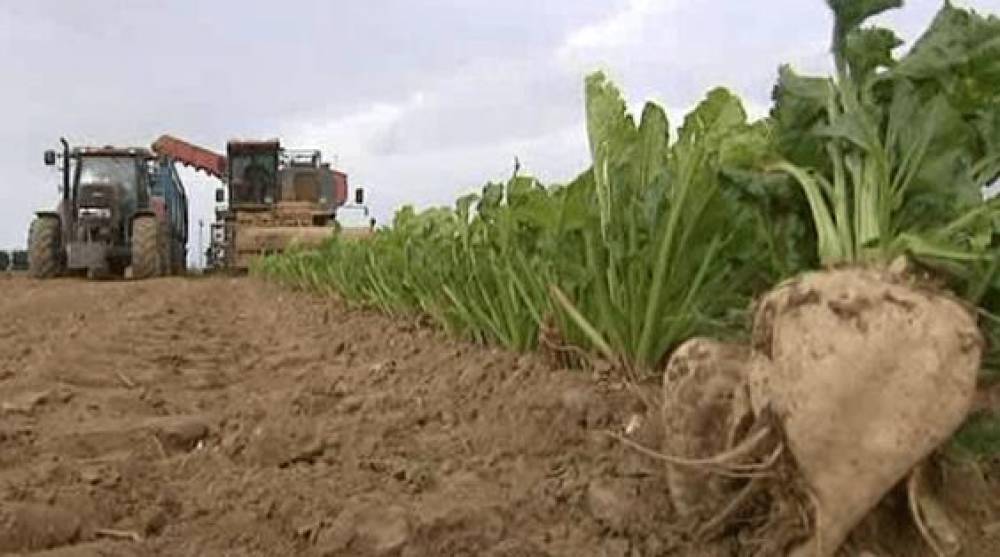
44	248
145	247
166	267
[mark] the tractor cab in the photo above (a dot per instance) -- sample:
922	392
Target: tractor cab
108	187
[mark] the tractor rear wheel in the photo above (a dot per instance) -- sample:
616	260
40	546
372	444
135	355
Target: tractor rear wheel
145	247
44	240
165	247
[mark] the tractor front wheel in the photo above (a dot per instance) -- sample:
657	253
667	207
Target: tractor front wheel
145	247
44	241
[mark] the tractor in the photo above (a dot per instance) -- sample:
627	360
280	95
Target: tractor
277	198
123	212
19	260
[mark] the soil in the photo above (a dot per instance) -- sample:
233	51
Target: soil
226	416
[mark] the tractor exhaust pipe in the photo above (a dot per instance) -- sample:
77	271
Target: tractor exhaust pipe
65	169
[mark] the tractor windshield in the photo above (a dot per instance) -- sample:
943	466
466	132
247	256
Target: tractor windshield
120	173
109	170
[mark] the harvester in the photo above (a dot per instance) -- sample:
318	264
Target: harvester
123	212
277	198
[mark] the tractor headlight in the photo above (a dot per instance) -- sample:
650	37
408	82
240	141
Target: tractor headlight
95	212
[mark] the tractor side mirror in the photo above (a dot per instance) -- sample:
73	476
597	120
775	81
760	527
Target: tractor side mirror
359	196
220	195
50	158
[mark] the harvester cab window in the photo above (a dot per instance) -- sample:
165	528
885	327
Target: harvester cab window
253	179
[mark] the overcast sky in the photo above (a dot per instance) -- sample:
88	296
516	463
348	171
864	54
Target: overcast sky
418	101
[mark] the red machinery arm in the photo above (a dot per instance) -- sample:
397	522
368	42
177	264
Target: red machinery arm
189	154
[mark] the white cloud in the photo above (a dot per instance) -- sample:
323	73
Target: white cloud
623	29
349	136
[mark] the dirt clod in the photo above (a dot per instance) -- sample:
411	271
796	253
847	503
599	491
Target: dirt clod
366	530
33	527
609	504
27	402
181	433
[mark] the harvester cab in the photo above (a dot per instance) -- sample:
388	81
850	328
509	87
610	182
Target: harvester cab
120	208
253	174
